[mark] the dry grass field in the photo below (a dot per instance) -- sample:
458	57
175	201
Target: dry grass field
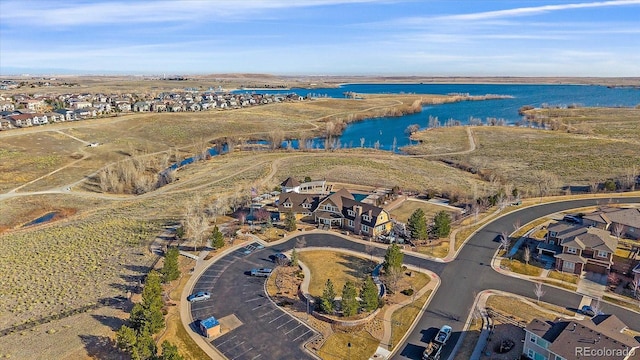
336	266
439	141
57	268
404	211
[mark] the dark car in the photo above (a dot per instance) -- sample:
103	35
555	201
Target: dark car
279	258
572	219
199	296
589	311
499	238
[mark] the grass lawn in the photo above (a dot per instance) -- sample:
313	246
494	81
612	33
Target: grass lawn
560	284
336	266
403	317
404	211
629	305
439	251
570	278
363	346
512	306
520	267
523	230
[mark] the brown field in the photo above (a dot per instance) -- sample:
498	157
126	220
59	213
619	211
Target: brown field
336	266
404	211
439	141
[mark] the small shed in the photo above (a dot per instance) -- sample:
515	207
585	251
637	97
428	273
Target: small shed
210	327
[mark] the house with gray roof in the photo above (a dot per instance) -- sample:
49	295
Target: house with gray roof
625	222
600	337
583	248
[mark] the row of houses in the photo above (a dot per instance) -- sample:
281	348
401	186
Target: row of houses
590	246
23	111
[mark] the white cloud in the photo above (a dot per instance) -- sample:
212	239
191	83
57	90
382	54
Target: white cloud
533	10
57	13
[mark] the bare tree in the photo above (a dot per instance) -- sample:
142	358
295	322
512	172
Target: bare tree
361	142
539	291
597	307
370	249
618	230
505	241
516	225
394	144
527	255
301	242
392	278
276	137
546	181
635	284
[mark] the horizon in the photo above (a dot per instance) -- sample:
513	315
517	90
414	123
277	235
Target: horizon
364	38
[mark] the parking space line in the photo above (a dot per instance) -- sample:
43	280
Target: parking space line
250	300
242	353
281	315
267	313
287	333
240	344
290	320
201	308
258	307
255	357
229	339
305	333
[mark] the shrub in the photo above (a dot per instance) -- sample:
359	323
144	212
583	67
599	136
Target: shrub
407	292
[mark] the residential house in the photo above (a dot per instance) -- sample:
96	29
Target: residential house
123	105
583	248
21	120
7	106
55	117
300	205
102	107
619	221
39	119
79	104
32	104
599	337
141	106
176	107
192	106
158	106
314	187
84	113
5	124
69	115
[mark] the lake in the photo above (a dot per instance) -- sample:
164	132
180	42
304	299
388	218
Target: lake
384	130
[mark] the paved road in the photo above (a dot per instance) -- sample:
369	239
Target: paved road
461	280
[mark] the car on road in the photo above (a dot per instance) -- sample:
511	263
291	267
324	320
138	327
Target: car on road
572	219
499	238
199	296
263	272
434	347
589	311
443	335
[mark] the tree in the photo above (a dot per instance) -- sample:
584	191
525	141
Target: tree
126	339
417	224
261	215
146	348
290	221
539	291
369	295
307	179
170	270
610	185
393	259
349	302
148	313
505	241
294	257
328	295
170	352
442	224
180	232
527	255
411	129
217	238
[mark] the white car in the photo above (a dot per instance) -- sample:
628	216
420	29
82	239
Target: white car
199	296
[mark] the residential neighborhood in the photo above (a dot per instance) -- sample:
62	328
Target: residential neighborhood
26	110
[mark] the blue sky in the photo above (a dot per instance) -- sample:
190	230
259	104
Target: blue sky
322	37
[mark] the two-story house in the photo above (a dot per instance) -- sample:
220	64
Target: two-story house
619	221
583	248
301	205
599	337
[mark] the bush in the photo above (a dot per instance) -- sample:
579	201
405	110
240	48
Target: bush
407	292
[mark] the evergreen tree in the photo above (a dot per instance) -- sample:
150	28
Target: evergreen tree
146	348
393	259
290	221
126	339
170	352
148	313
328	295
170	270
417	224
442	224
369	295
217	238
349	302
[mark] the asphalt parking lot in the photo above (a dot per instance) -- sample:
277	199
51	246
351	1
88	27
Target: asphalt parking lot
267	332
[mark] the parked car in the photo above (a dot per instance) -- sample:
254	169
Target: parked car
498	238
572	219
443	335
589	311
199	296
263	272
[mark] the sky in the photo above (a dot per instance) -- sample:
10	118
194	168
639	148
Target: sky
322	37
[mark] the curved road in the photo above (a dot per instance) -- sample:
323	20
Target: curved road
461	279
